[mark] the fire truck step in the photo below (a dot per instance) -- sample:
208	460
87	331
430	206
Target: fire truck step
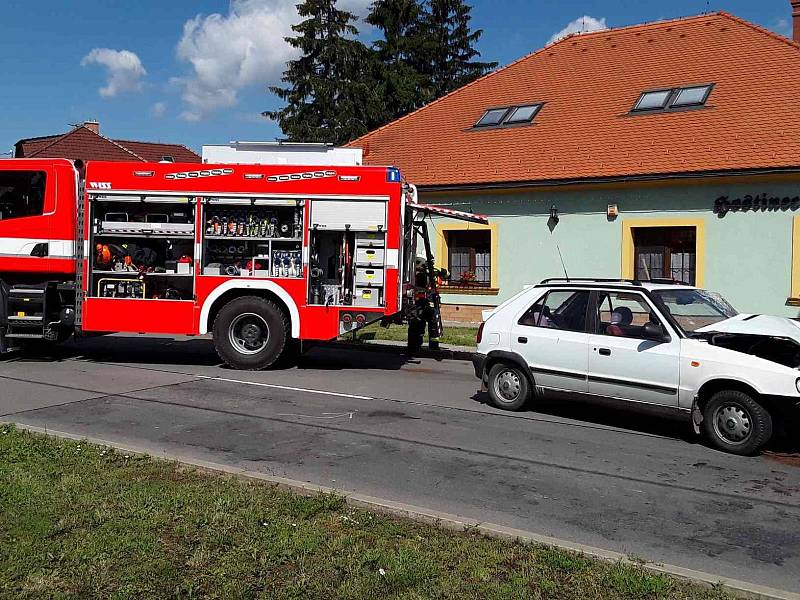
14	319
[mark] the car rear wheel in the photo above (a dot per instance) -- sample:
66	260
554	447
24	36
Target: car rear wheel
251	333
509	388
734	422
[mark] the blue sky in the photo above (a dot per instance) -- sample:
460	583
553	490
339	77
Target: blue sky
196	71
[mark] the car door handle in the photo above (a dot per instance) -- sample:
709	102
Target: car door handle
605	351
522	340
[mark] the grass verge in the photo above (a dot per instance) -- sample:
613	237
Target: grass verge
453	336
83	521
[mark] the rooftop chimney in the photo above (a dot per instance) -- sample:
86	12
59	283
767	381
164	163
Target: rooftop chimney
795	20
95	125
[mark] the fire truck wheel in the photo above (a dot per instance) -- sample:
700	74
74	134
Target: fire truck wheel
251	333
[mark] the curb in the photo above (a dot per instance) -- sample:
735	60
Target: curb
400	349
740	589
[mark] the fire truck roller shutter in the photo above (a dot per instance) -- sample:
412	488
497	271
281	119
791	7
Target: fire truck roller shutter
356	215
245	286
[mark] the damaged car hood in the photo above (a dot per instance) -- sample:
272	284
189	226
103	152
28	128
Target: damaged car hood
763	325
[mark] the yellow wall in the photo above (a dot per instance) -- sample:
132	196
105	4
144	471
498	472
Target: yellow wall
628	225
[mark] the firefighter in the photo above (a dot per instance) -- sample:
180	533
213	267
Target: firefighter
423	314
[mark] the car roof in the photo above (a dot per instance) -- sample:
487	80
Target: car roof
633	284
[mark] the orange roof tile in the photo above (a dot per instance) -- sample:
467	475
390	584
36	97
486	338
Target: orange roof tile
589	83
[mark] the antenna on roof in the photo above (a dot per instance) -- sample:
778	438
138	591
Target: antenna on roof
563	266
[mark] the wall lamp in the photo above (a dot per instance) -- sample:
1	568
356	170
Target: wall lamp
554	213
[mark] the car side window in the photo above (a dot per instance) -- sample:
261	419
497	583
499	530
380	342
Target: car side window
623	314
564	310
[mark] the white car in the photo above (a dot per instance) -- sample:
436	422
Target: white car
656	345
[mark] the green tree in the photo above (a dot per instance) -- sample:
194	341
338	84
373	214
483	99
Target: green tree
329	95
400	55
451	47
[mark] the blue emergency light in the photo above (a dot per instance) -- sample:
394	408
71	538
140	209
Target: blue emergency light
393	175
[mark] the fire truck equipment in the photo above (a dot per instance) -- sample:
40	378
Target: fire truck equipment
120	288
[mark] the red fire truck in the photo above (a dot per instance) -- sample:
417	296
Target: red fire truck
261	256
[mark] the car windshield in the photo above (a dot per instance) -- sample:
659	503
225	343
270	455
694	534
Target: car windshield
693	309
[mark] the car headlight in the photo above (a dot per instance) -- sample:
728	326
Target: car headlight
797	385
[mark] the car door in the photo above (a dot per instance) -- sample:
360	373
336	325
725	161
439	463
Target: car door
623	363
552	336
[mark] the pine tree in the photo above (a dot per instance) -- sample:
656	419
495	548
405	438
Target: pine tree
400	54
329	96
450	47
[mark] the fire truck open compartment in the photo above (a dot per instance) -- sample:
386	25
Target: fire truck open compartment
347	253
252	238
143	247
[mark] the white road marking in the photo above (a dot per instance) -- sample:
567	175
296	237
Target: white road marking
348	414
287	387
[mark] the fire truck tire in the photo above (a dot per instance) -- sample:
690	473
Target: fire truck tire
251	333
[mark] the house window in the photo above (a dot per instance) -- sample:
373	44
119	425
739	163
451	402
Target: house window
469	258
794	298
21	194
665	253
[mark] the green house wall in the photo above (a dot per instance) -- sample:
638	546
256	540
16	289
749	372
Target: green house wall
748	257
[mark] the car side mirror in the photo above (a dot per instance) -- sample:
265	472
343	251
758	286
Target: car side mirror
655	332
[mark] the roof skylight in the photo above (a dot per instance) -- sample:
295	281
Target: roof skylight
509	115
653	100
673	98
493	116
523	114
692	96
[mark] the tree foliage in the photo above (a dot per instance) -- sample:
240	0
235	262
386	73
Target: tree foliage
451	47
328	98
340	89
399	55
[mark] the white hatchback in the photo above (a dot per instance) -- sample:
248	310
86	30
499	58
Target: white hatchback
660	346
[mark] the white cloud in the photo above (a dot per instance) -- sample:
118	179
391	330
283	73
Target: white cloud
159	109
230	52
783	27
124	70
582	24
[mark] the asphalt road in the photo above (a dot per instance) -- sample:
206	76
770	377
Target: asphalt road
416	431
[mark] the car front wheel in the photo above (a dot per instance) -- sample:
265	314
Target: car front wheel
734	422
509	388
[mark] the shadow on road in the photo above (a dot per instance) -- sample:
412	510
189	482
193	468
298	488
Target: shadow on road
782	449
151	350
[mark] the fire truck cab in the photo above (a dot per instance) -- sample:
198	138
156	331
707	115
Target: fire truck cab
261	256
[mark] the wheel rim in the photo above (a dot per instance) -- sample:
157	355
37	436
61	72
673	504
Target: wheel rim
507	386
733	423
249	333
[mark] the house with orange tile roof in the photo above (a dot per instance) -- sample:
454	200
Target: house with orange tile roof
85	142
663	150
